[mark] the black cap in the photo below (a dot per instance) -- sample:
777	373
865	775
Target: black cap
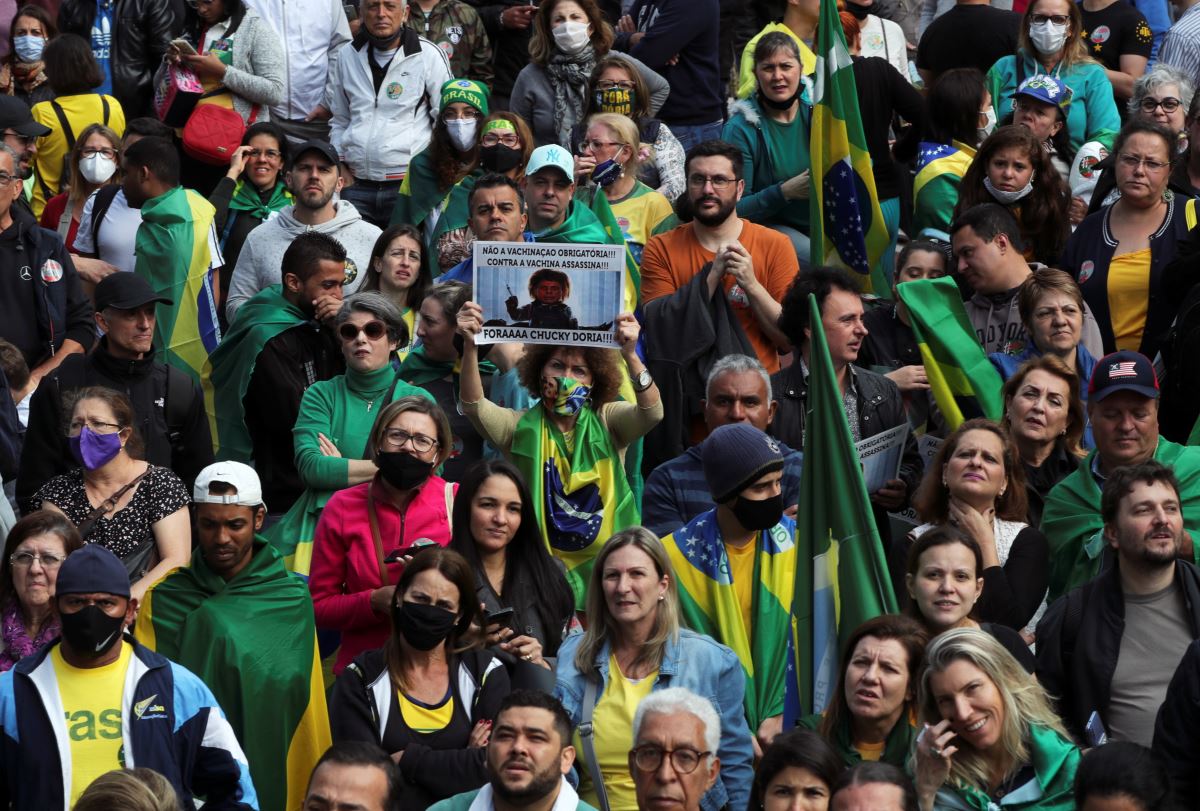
15	116
93	570
1123	371
124	290
316	145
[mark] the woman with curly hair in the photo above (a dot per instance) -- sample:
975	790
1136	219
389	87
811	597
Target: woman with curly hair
1013	169
571	446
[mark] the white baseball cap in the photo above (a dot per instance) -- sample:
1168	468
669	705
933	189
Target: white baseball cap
235	474
551	155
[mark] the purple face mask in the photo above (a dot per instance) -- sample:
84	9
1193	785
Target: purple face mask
94	450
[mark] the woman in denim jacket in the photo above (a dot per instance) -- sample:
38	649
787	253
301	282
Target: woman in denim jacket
633	647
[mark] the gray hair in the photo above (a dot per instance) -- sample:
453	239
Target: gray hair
16	159
737	364
379	306
1158	77
676	700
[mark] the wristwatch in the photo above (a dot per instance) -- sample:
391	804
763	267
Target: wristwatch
642	380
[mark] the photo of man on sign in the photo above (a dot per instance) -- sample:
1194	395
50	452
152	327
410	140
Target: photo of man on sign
549	290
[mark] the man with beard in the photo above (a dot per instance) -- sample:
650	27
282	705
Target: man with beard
1110	647
314	180
528	755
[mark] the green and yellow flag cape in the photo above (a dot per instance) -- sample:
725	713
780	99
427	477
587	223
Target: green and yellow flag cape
935	189
253	642
260	319
246	198
173	256
710	605
580	493
964	382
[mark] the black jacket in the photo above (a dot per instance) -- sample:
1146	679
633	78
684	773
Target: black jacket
142	30
510	49
176	434
1177	730
1079	640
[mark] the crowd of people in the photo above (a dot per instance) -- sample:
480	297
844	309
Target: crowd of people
286	527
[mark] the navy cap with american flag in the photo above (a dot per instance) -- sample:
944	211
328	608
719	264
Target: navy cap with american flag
1123	371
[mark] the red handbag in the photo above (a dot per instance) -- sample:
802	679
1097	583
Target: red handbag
213	132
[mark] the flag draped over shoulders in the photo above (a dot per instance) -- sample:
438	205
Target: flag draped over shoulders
846	222
841	573
964	382
580	227
940	168
579	492
252	640
421	193
710	605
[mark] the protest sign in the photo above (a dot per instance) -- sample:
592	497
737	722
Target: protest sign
548	293
880	456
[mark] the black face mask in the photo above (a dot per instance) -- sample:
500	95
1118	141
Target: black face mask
384	44
859	12
499	158
402	470
90	632
758	515
786	104
424	626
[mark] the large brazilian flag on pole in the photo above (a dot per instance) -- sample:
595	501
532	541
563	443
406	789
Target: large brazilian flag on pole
841	574
846	223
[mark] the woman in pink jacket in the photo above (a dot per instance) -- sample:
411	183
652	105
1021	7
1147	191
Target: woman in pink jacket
368	532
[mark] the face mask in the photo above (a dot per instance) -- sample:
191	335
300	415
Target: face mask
401	470
1048	38
571	37
29	49
607	173
424	626
572	396
97	168
758	515
989	116
462	133
499	158
383	43
1007	197
94	450
90	632
859	12
786	104
615	100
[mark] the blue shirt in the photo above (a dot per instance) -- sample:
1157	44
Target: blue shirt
102	29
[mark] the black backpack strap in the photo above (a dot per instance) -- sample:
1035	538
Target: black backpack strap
70	136
100	206
104	108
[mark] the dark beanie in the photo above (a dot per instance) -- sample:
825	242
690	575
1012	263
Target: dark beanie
92	569
737	455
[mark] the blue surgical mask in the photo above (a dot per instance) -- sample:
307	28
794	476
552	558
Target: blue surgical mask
29	48
607	172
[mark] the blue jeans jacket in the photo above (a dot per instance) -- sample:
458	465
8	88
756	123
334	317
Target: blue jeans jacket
713	671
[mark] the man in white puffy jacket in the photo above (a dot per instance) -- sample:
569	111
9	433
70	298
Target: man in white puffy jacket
384	94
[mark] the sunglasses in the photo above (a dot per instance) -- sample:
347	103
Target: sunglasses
374	330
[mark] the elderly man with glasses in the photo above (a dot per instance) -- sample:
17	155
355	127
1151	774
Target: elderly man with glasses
673	760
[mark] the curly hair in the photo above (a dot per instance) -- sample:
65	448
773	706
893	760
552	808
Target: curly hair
932	501
604	364
1042	214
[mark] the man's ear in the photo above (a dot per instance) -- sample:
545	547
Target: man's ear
260	515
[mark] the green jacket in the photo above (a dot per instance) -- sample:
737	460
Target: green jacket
895	749
1054	760
763	201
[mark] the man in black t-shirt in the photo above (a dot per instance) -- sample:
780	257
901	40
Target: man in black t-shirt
1118	37
970	35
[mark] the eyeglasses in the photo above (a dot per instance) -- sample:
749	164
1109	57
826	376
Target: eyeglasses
649	758
25	140
510	140
1170	104
719	182
107	152
272	154
398	438
469	114
1057	19
1133	162
615	85
96	426
592	146
374	330
6	178
23	560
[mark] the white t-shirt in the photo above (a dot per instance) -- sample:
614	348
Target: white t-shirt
118	232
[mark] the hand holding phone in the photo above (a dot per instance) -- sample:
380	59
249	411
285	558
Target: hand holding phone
183	46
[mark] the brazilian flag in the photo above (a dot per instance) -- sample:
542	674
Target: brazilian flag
964	382
841	574
846	223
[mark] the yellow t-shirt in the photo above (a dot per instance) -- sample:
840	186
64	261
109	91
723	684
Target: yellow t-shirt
92	700
870	751
80	111
638	214
612	721
424	718
741	569
1129	297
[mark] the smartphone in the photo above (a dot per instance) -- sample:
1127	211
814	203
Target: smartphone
503	617
351	12
183	46
412	549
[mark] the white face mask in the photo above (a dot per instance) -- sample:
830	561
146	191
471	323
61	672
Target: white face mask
97	168
989	116
1007	197
462	133
1047	37
571	37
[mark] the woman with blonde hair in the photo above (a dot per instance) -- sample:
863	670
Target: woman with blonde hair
635	645
989	731
129	790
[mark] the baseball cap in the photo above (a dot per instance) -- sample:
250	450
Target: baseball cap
551	155
90	570
125	291
1123	371
240	476
15	116
1046	89
316	145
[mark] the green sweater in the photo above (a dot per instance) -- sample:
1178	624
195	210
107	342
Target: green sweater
772	153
